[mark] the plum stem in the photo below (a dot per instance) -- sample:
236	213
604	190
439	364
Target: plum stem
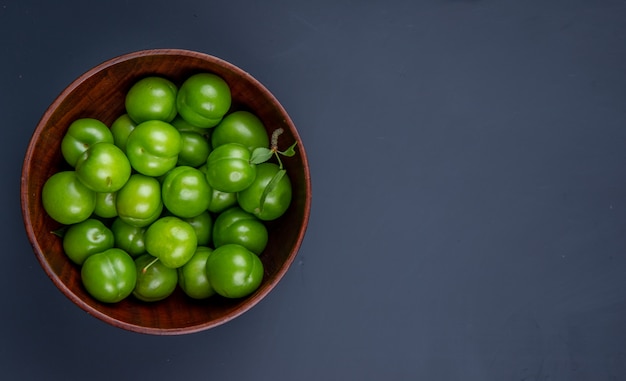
148	265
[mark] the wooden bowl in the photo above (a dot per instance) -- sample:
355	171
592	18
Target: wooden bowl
99	93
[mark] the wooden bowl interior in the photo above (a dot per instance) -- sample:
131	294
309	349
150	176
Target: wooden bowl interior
99	94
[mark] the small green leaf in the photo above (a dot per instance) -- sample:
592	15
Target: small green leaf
271	185
289	152
260	155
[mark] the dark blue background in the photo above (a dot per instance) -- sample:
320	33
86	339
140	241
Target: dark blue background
468	161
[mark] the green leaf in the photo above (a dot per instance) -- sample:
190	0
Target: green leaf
260	155
289	152
271	186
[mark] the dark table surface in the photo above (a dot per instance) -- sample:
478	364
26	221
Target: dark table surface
468	162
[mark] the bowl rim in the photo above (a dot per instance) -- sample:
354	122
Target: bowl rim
38	250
